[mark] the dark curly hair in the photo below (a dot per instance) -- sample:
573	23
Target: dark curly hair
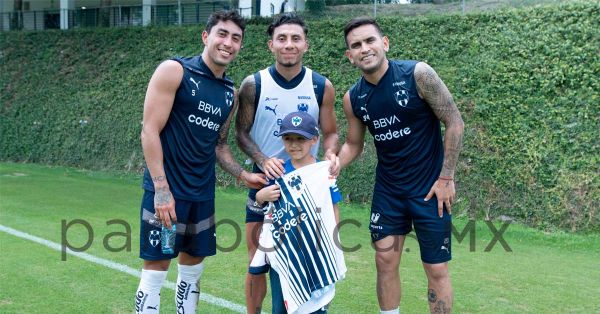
287	18
358	22
229	15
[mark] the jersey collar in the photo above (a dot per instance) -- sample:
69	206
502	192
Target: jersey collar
281	81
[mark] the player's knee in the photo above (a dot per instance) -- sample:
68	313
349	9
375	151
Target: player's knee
387	261
437	272
157	265
186	259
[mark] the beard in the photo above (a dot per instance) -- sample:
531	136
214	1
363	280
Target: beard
288	64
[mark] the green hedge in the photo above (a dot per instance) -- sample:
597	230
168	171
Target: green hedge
526	81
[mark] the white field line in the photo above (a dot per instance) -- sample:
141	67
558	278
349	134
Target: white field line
120	267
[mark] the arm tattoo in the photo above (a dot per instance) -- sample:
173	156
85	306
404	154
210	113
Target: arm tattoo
226	161
452	146
224	156
438	97
158	179
434	91
232	167
245	120
163	196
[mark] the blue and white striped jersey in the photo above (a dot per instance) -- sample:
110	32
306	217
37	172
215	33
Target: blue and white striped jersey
300	240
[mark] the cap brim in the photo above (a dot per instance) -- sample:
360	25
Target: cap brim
306	135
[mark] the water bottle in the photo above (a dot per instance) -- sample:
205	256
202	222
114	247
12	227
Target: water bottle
167	238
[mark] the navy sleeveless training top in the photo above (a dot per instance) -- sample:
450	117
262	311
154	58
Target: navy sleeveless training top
405	130
202	104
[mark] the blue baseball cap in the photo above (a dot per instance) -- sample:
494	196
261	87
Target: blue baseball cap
300	123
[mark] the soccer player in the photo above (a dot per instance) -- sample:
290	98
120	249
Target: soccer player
299	236
187	111
265	98
402	104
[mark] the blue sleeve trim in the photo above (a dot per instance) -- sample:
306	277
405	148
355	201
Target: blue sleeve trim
256	90
319	83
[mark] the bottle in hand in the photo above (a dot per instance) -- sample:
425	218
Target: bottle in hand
167	239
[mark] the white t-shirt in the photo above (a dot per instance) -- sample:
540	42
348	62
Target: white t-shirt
274	103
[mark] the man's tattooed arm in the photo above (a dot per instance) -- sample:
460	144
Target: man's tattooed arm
245	120
223	152
436	94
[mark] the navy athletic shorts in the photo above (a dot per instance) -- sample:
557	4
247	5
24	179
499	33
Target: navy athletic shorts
391	215
252	216
195	229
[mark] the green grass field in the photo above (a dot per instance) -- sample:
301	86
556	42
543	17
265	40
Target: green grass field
544	273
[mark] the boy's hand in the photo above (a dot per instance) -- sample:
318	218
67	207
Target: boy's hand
269	194
334	167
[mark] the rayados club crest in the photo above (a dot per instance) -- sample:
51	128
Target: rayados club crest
401	98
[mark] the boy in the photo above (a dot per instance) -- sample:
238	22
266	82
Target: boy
298	237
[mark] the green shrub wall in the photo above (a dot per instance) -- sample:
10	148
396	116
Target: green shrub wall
527	83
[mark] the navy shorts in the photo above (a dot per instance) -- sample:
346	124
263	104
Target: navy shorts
195	229
391	215
252	216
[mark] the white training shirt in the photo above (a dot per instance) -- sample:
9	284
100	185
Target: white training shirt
274	103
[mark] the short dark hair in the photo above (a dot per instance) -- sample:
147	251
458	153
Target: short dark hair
358	22
224	16
287	18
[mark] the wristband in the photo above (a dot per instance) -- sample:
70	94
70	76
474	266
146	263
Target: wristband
446	178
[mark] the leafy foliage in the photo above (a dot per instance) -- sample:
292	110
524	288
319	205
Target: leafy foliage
315	6
526	81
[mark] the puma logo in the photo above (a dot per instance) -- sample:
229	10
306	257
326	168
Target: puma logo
195	83
271	109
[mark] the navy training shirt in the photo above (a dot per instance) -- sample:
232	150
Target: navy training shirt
405	130
202	104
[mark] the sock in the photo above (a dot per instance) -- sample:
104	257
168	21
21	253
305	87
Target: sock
147	297
188	290
394	311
